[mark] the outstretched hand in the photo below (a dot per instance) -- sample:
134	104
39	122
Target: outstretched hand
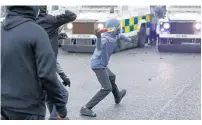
98	33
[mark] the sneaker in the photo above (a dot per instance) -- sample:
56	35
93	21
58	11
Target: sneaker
87	112
122	94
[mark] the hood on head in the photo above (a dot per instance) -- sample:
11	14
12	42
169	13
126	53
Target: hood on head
25	11
43	11
19	14
113	23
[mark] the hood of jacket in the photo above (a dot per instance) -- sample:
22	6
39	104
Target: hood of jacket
112	23
19	14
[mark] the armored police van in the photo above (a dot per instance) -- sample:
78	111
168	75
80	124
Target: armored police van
134	22
180	30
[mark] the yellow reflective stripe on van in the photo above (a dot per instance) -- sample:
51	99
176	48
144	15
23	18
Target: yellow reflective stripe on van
139	18
131	21
148	18
122	23
135	27
127	29
131	24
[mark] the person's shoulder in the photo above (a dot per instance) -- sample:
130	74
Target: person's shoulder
47	18
36	30
35	27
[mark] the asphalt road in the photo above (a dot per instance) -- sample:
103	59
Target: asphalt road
160	86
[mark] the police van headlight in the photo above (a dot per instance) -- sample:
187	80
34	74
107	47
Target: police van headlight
100	26
69	26
197	26
166	25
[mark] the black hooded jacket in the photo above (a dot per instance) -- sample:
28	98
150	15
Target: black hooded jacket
52	23
28	64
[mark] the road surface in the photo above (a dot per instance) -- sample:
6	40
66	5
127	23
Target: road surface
160	86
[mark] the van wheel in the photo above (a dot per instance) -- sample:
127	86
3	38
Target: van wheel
142	36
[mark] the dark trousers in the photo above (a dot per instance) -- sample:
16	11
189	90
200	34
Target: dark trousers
107	80
11	115
52	108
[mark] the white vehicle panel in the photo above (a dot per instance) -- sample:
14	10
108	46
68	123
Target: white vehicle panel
185	16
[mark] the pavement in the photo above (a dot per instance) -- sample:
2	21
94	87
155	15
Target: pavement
160	86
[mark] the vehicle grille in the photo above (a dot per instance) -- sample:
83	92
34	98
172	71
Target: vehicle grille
83	28
182	28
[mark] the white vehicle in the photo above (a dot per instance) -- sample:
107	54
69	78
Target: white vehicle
135	22
180	30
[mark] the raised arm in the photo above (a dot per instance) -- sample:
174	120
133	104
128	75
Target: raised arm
67	17
124	38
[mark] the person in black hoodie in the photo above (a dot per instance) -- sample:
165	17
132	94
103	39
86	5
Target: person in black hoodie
51	24
28	68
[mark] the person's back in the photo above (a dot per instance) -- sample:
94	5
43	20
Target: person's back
27	64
